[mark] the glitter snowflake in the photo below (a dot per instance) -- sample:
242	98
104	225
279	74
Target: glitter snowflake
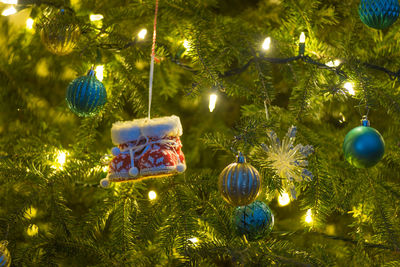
289	161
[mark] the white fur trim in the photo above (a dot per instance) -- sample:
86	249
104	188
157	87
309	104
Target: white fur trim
126	131
161	127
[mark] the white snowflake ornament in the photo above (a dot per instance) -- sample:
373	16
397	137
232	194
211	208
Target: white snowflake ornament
287	160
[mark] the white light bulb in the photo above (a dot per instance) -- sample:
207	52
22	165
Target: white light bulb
99	72
152	195
213	101
142	34
9	11
334	63
60	160
10	2
349	86
96	17
186	44
302	38
194	240
309	218
267	43
283	199
29	23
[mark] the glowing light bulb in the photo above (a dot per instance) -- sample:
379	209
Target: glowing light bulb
142	34
29	23
32	230
302	38
104	168
194	240
283	199
213	101
334	63
152	195
96	17
267	43
60	160
99	72
309	218
9	11
186	44
10	2
349	86
30	212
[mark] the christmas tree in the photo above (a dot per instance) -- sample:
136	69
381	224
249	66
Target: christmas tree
276	88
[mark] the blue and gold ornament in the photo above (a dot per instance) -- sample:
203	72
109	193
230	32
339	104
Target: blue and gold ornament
379	14
363	146
239	183
254	221
5	258
86	95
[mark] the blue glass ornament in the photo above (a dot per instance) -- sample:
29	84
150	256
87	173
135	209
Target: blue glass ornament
379	14
254	221
5	258
363	146
86	95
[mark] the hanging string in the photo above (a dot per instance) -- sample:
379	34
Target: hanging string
153	53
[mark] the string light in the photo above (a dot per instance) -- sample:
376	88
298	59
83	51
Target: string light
194	240
99	72
142	34
283	199
9	11
343	118
32	230
302	38
309	218
186	44
152	195
30	212
29	23
267	43
10	2
334	63
302	45
349	86
60	160
213	101
96	17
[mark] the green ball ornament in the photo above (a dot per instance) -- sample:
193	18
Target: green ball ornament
363	146
86	95
254	221
379	14
239	183
5	258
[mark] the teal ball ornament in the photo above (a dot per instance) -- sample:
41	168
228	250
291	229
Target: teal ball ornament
379	14
86	95
239	183
5	258
254	221
363	147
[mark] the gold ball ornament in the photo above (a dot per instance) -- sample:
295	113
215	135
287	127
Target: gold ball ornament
5	258
239	183
59	33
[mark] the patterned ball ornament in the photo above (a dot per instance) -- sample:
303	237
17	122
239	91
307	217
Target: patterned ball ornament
5	258
254	221
363	146
379	14
86	95
239	183
59	33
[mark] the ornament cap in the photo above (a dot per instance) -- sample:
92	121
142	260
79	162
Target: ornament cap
241	158
365	121
91	72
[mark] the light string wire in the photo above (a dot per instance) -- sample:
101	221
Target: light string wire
153	53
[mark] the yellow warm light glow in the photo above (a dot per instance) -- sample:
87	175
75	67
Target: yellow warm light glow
349	86
99	72
213	101
32	230
105	168
334	63
283	199
302	38
309	218
194	240
152	195
30	213
96	17
142	33
29	23
11	2
186	44
60	160
267	43
9	11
